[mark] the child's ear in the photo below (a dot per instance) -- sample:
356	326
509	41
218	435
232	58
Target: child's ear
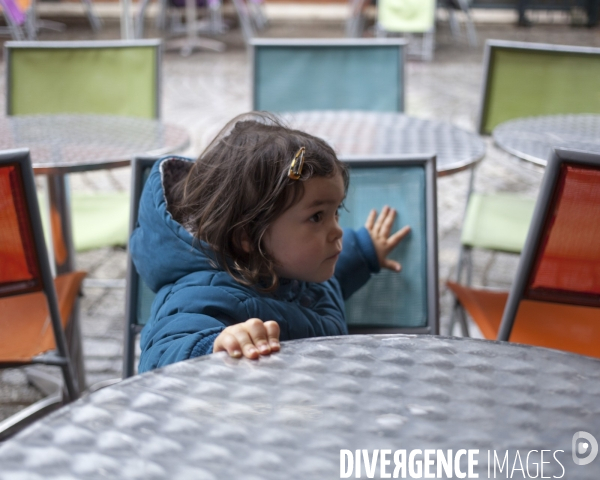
246	245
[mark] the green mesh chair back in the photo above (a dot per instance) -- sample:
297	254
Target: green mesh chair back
139	297
406	15
527	79
405	301
325	74
100	77
105	77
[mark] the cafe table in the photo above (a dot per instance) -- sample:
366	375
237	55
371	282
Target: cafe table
60	144
389	133
305	411
533	138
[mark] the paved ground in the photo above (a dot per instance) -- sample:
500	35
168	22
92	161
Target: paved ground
207	89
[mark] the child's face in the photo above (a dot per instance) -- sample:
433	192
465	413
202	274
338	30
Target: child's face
306	239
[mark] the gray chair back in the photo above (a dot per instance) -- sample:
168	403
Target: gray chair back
327	74
390	301
139	297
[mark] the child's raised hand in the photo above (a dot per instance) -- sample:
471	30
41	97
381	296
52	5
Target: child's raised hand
250	339
379	228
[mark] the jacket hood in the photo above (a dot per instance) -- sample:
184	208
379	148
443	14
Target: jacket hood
162	250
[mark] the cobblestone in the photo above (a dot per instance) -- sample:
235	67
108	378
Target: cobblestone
203	91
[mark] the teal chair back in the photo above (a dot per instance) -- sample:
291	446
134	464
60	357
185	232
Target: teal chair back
139	297
327	74
390	301
528	79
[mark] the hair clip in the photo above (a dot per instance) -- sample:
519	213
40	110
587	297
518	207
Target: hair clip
297	164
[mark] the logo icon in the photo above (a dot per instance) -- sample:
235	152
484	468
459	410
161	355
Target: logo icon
584	448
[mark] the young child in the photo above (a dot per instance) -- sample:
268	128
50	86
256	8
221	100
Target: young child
243	246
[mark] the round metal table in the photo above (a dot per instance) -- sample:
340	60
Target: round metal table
533	138
289	415
378	133
66	143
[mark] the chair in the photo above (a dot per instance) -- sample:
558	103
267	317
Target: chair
138	296
554	301
327	74
34	307
408	17
213	25
522	79
19	22
463	5
407	301
525	79
407	184
103	77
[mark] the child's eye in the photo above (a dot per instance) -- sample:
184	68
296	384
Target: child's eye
317	217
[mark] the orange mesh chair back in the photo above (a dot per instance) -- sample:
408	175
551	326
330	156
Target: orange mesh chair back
34	307
560	262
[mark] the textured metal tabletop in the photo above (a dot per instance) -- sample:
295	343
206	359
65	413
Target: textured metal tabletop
375	133
290	414
64	143
533	138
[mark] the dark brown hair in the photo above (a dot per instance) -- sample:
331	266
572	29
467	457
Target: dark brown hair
239	185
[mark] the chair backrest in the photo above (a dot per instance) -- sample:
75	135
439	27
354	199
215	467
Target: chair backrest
327	74
406	15
105	77
390	301
560	262
23	254
138	297
527	79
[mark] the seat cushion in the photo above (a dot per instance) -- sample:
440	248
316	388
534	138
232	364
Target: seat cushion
100	220
25	328
563	327
497	221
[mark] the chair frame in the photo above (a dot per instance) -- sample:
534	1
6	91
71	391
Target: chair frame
429	164
10	47
60	358
132	328
543	208
255	43
492	45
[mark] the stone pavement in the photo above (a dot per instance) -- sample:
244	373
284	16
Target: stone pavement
206	89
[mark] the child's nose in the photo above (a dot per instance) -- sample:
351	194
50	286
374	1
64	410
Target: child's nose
336	232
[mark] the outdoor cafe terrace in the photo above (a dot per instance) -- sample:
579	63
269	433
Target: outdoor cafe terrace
204	89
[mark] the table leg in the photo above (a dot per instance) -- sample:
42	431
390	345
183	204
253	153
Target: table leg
64	254
192	41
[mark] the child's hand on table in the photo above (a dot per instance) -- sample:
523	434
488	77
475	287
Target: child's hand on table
379	228
249	339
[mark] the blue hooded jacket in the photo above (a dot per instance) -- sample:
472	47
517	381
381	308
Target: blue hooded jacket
196	301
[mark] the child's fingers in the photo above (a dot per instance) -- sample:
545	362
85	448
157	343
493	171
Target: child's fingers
258	335
371	219
398	236
228	343
388	221
273	335
245	341
392	265
379	221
